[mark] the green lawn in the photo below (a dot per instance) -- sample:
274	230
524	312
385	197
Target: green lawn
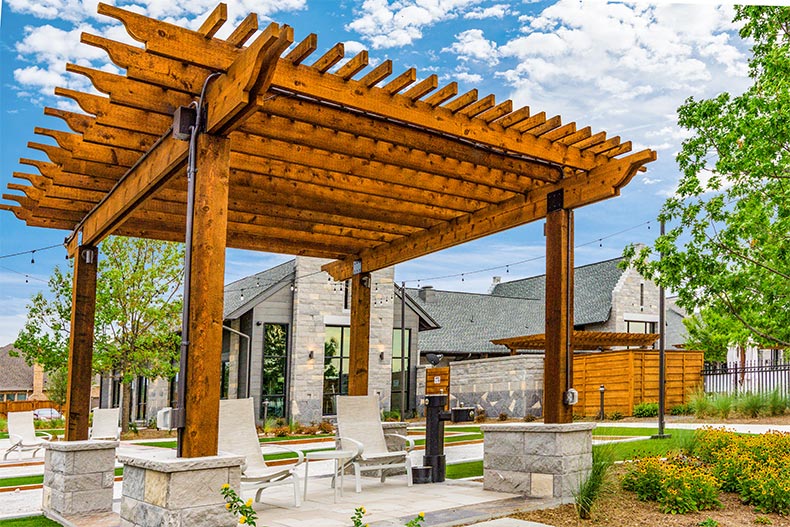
53	431
32	521
469	469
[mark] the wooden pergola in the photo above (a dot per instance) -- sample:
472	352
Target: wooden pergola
299	156
581	340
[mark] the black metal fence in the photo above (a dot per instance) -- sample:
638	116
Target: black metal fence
749	377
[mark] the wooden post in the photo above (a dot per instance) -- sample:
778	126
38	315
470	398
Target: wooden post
558	373
83	310
359	351
201	401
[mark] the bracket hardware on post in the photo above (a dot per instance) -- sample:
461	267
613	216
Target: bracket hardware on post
555	200
184	118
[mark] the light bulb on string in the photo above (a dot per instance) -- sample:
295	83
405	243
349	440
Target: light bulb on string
26	280
33	256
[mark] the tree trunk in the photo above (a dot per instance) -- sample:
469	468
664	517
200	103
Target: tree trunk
126	406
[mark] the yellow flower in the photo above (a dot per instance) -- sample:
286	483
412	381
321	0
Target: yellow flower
421	515
227	506
363	510
249	503
225	486
243	519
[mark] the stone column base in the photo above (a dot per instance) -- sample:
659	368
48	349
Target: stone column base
537	459
161	489
78	477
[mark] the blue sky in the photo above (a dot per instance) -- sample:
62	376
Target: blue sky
619	67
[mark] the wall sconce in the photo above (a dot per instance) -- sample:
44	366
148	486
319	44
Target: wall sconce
311	355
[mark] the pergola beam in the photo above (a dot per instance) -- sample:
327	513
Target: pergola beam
579	190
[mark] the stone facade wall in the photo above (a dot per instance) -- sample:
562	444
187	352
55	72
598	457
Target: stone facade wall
318	302
626	303
512	385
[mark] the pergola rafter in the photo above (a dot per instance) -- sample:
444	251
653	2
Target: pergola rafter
314	156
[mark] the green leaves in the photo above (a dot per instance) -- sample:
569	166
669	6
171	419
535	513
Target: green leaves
727	251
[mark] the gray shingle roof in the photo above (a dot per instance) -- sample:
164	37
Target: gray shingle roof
469	321
255	287
17	375
592	292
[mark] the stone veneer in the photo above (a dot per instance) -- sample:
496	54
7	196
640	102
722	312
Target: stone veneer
162	490
512	385
318	303
515	455
78	477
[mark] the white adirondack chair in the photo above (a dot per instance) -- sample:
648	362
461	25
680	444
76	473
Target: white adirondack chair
22	434
238	435
359	428
105	424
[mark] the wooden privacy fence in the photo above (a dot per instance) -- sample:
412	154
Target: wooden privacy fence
25	406
631	377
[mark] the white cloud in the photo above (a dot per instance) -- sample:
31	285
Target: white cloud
494	11
622	66
71	10
387	25
471	45
470	78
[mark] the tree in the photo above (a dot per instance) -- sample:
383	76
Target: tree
138	310
728	251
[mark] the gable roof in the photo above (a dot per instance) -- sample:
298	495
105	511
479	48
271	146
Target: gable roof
17	375
592	292
243	294
469	321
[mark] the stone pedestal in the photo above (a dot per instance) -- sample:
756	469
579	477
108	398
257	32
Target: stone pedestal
78	477
537	459
161	489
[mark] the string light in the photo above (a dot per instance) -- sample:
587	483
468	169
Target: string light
33	257
30	251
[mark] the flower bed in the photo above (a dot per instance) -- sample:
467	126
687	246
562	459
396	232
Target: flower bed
755	467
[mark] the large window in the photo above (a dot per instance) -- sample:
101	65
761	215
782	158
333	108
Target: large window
336	364
141	391
632	326
275	348
400	370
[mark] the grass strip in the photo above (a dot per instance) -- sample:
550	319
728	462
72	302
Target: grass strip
468	469
31	521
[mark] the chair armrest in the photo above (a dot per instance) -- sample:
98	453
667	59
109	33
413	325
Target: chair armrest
298	453
356	444
15	439
45	434
407	440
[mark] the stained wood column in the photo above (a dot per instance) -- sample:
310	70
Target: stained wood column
559	311
83	309
206	288
359	352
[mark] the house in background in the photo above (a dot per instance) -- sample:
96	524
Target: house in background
286	334
606	298
20	382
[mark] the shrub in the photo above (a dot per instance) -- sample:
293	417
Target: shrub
308	430
700	405
480	415
646	410
281	431
238	506
393	415
708	522
751	404
763	520
594	485
269	425
679	485
529	418
503	416
776	402
615	416
325	427
3	425
681	409
722	404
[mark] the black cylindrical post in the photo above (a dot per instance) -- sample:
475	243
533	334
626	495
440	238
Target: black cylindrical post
601	414
434	436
